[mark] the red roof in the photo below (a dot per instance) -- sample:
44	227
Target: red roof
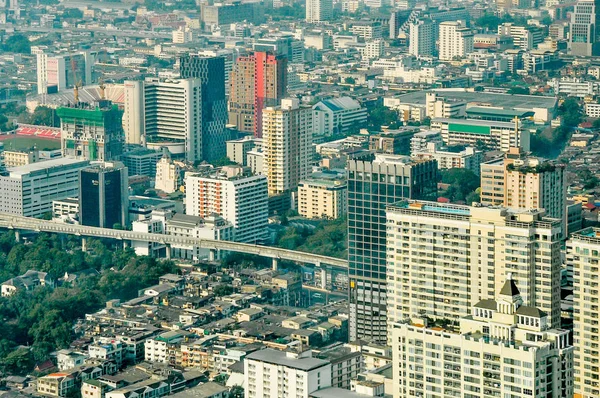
441	199
589	206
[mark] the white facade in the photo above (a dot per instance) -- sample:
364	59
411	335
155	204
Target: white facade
583	259
338	116
322	199
133	111
109	349
319	10
422	38
474	246
29	190
57	71
470	158
172	116
504	349
167	175
287	145
275	374
242	200
456	41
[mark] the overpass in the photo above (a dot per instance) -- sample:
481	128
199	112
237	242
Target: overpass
18	223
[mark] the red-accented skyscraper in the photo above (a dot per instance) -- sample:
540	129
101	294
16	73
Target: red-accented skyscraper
257	81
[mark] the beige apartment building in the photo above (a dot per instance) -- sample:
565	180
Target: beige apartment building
442	259
504	349
583	259
19	158
524	183
318	198
287	145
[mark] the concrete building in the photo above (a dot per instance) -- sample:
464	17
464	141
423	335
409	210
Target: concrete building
369	176
226	13
322	198
28	281
91	133
521	182
274	374
65	209
107	349
237	150
29	190
583	254
104	195
339	116
456	40
524	37
172	116
257	81
19	158
504	348
212	227
319	11
133	111
437	106
239	198
447	275
495	135
421	38
468	158
393	142
59	72
57	385
287	140
583	39
168	174
141	162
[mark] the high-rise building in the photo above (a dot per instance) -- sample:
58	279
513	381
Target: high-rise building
444	258
59	72
104	195
239	198
92	133
287	144
211	72
583	37
321	198
504	349
583	259
521	182
226	13
375	181
29	190
172	116
257	81
421	38
133	111
456	40
319	10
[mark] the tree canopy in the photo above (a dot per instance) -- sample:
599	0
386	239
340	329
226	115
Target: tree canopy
329	238
17	43
463	185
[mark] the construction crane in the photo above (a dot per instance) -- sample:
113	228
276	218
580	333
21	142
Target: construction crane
76	83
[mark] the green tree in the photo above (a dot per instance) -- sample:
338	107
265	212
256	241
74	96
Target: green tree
350	80
489	21
74	13
571	112
383	116
236	392
519	90
18	362
222	290
17	43
462	183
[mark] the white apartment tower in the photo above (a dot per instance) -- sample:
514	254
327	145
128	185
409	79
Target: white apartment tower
421	38
165	113
583	261
238	198
456	40
59	72
504	349
443	258
167	174
275	374
319	10
287	143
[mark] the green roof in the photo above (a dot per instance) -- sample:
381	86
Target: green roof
469	128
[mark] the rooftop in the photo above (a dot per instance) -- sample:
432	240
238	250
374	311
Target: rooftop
47	164
281	358
511	101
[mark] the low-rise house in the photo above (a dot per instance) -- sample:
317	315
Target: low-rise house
152	388
28	281
56	384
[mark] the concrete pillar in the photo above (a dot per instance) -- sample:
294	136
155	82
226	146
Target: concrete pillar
168	250
323	278
17	236
125	244
212	255
275	264
83	244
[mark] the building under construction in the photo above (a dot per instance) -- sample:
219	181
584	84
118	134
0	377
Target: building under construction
91	131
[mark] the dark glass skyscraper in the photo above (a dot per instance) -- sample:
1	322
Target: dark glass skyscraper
211	72
103	195
375	181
